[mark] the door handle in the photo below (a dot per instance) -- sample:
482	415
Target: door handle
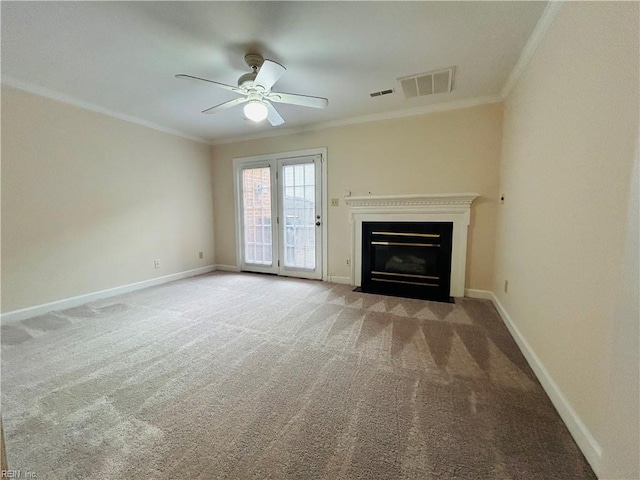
317	224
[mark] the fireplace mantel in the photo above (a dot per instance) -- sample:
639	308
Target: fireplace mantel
442	207
422	200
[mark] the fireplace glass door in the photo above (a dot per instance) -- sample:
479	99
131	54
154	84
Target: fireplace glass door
411	259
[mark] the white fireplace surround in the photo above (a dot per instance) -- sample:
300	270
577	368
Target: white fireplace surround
447	207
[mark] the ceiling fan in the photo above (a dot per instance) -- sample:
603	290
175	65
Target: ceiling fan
256	90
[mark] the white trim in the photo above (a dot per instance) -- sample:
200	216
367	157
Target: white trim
227	268
581	434
24	313
325	215
449	207
337	279
415	200
376	117
61	97
482	294
539	31
237	205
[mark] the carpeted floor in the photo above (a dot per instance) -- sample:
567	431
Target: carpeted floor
251	376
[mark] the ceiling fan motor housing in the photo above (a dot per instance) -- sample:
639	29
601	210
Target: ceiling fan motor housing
247	78
254	60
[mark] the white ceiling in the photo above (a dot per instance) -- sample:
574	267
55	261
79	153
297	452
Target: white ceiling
122	56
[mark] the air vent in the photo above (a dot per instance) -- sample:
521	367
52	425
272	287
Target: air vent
381	92
428	83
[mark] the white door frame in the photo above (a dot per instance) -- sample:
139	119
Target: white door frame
240	162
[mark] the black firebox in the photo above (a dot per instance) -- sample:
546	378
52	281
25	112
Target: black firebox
407	259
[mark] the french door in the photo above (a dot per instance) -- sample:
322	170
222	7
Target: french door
280	215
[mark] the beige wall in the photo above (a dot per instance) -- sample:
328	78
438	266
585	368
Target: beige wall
89	201
622	444
454	151
570	131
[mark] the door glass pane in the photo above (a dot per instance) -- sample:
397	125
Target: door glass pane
298	206
256	197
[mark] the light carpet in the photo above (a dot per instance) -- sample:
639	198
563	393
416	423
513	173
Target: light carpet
236	376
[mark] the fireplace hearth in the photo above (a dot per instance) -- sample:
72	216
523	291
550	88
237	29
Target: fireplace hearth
407	259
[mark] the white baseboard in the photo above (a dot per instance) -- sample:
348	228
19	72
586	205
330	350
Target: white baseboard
227	268
326	278
336	279
473	293
24	313
581	434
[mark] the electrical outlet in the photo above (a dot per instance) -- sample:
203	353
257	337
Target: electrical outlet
506	286
335	202
201	255
156	264
348	261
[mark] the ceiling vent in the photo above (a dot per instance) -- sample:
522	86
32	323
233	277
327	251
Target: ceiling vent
381	92
436	81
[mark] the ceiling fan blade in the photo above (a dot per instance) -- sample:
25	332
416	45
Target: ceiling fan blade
273	116
223	85
268	74
295	99
225	105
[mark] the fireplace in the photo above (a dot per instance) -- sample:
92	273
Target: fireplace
407	259
452	208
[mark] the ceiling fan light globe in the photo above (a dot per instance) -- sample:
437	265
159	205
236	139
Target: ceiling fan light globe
255	110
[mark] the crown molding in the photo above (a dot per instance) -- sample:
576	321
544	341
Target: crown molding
61	97
416	200
539	32
376	117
